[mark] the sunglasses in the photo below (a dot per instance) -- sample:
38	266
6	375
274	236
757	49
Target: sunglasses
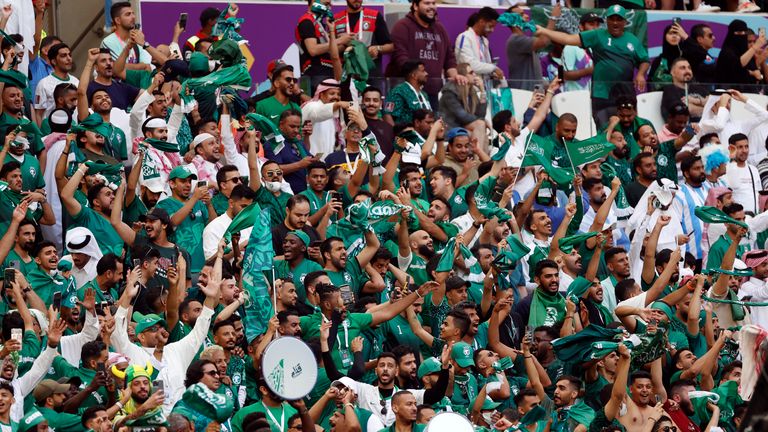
273	173
213	373
668	429
291	80
383	407
234	180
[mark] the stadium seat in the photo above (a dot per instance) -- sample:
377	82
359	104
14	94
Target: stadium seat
649	108
576	103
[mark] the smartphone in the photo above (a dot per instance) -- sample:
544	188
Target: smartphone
658	398
158	386
57	300
183	20
100	367
136	262
561	73
8	277
676	20
16	334
315	244
347	296
16	265
529	332
175	256
761	31
100	308
404	184
105	51
137	26
335	196
202	184
538	88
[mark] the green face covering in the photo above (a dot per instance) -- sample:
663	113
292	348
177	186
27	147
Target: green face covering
161	145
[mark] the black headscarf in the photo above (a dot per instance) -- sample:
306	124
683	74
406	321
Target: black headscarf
729	69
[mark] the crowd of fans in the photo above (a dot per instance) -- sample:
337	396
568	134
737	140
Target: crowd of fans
435	253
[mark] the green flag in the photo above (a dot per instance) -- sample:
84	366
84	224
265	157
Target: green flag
268	129
537	153
244	220
499	155
446	259
714	215
567	244
258	258
588	150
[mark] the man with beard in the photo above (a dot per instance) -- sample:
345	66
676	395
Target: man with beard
189	310
224	335
61	60
172	359
683	90
207	159
545	306
539	224
692	194
378	399
45	281
385	136
349	276
189	213
409	96
367	26
122	95
565	408
618	158
644	168
628	122
420	37
23	247
144	404
124	21
109	274
678	405
664	152
405	357
282	94
443	184
295	266
291	154
38	207
742	176
64	97
49	398
289	323
324	111
84	254
571	268
93	216
464	155
99	101
241	197
13	113
617	263
320	201
330	301
286	295
97	419
478	55
147	119
93	381
297	211
616	53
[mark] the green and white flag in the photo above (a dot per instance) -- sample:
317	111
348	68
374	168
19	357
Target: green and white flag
588	150
539	153
258	258
244	220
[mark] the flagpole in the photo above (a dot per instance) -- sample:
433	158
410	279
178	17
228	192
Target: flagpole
274	290
569	156
525	149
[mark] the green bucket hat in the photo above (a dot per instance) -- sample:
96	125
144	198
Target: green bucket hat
429	366
143	322
463	354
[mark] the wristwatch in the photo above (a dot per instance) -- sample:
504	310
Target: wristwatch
146	45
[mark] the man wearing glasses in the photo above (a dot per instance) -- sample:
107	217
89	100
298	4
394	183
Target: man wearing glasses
284	86
267	185
696	50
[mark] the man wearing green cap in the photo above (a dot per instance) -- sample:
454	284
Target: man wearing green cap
95	217
464	382
616	53
49	397
34	420
295	265
189	212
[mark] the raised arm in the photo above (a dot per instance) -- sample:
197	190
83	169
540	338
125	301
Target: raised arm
67	195
649	258
619	390
82	87
559	37
123	230
392	309
720	289
543	109
603	211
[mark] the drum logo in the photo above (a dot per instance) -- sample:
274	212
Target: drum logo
296	371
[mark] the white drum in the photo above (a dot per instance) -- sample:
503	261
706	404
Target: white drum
449	422
289	367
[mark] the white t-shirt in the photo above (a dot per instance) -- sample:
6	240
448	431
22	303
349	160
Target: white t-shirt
745	182
214	232
44	91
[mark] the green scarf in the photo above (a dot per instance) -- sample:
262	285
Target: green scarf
163	146
546	309
244	220
581	413
570	349
111	172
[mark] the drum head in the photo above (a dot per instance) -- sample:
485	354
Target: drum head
449	422
289	368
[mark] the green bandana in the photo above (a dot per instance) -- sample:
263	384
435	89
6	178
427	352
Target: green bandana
269	130
244	220
714	215
163	146
546	309
570	349
578	288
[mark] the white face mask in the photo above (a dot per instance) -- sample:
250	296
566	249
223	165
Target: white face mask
273	186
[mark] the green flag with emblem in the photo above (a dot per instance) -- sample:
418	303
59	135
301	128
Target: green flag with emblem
539	153
258	258
588	150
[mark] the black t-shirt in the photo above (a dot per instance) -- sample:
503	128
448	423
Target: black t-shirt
306	30
380	35
672	94
385	136
122	94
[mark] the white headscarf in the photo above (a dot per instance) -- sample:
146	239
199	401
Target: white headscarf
81	240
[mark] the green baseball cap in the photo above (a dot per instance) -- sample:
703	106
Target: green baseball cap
182	172
463	354
302	236
33	418
616	10
143	322
429	366
69	299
